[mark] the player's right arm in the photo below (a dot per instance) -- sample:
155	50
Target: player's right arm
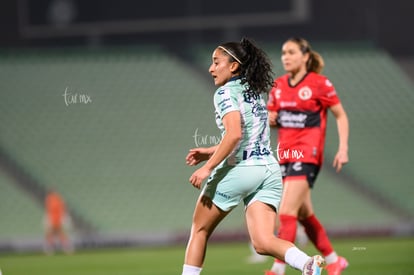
231	138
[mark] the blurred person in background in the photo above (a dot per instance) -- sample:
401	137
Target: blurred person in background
242	166
56	223
298	105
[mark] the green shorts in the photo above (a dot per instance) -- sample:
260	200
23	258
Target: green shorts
229	185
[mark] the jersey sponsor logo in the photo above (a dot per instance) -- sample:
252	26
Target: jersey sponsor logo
296	119
305	93
223	101
284	104
257	152
250	97
224	104
331	93
258	110
225	107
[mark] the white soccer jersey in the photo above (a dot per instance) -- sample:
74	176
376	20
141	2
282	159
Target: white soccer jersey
254	147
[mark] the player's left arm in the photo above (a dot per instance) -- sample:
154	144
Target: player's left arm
342	123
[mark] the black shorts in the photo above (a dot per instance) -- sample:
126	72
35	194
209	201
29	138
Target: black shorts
300	170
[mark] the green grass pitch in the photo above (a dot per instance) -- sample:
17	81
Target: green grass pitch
366	256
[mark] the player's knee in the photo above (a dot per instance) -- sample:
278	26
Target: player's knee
261	246
200	231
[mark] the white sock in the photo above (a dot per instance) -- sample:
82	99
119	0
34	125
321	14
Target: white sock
253	250
331	258
278	268
296	258
191	270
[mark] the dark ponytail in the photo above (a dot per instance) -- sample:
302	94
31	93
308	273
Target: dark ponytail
255	66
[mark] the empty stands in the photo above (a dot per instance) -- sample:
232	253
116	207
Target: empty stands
110	128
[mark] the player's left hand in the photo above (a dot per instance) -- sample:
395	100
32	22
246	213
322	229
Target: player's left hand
199	176
341	158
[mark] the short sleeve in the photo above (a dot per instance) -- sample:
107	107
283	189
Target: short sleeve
225	101
327	93
271	102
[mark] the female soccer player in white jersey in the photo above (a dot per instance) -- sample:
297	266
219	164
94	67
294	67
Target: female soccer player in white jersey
241	167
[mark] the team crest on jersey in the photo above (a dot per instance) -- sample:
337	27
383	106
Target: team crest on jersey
305	93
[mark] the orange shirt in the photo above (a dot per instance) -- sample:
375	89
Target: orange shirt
55	208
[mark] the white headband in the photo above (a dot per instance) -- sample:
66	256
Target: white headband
232	55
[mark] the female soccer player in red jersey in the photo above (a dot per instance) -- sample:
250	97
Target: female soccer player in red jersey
298	104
